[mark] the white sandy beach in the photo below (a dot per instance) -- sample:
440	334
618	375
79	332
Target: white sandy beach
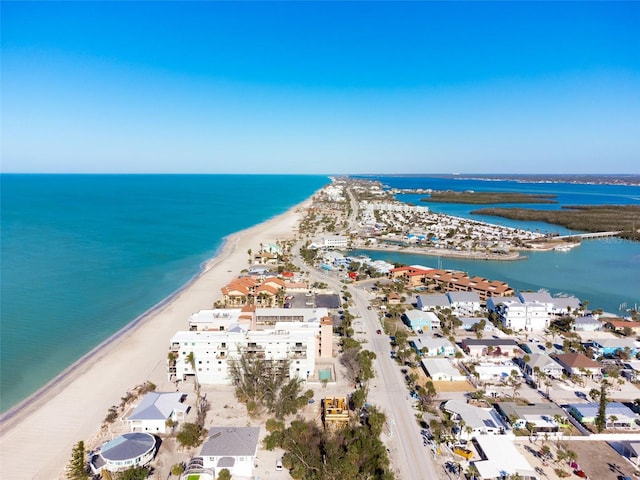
36	438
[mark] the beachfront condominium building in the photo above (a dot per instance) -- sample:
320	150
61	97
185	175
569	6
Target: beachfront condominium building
207	354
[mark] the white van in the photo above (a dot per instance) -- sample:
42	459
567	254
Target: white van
279	464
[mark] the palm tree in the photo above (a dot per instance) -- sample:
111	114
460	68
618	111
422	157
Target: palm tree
612	420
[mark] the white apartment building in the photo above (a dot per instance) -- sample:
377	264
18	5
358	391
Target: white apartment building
517	315
299	343
334	241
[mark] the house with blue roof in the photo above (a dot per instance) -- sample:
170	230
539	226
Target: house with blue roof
155	408
586	413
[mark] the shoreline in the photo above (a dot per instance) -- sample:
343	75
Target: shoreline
72	405
449	254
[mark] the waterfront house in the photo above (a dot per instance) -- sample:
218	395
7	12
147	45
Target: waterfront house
430	346
441	369
610	346
476	420
419	320
566	305
155	408
233	448
622	326
542	298
587	323
494	347
126	451
543	363
586	414
578	364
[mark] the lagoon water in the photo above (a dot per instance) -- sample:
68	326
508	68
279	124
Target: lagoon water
604	272
83	255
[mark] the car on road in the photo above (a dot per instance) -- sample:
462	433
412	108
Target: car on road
287	305
541	347
369	307
289	297
379	332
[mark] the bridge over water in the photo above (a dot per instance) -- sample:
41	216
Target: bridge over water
582	236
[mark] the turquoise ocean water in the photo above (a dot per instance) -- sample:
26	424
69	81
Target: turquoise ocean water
83	255
604	272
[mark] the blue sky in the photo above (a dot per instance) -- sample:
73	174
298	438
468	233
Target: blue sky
327	87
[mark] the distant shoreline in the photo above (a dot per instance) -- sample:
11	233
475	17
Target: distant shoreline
434	252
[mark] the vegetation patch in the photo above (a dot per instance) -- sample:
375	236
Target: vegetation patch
488	198
587	218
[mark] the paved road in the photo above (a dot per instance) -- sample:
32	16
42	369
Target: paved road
409	457
388	391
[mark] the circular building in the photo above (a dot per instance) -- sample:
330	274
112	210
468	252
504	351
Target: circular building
126	451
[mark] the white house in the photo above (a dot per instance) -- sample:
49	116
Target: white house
233	448
441	369
123	452
587	412
334	241
517	315
480	421
155	408
435	346
544	364
586	323
464	303
434	301
419	320
501	459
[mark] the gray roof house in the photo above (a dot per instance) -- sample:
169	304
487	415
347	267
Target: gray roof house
545	417
155	409
544	363
432	301
464	303
233	448
587	324
481	421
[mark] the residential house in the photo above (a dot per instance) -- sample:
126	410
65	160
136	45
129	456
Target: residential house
607	347
434	346
474	421
155	408
233	448
541	417
441	369
135	449
586	413
622	326
586	323
543	363
516	315
432	302
578	364
464	303
495	347
501	459
419	320
566	305
469	322
394	298
496	372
